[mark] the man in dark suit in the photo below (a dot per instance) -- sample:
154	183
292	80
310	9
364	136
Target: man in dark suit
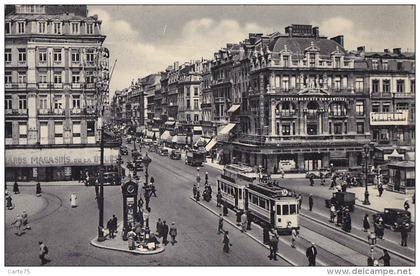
165	229
311	255
386	258
311	202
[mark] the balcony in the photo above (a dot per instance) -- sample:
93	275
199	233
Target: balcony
42	64
76	85
43	111
22	63
21	85
8	85
90	85
58	85
43	85
399	118
58	111
76	111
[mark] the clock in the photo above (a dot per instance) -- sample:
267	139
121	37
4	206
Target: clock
131	188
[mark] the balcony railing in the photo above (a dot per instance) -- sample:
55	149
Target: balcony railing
76	111
43	85
389	118
90	85
58	85
8	85
21	85
75	85
58	111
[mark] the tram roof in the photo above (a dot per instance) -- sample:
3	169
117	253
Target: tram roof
271	189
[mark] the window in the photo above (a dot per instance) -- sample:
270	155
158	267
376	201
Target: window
360	128
57	77
195	103
22	77
89	28
195	91
42	27
21	27
262	203
8	77
338	128
188	104
337	62
58	102
375	86
57	55
386	86
338	109
312	59
188	92
76	129
337	84
385	65
402	106
42	56
279	210
8	55
359	85
196	118
75	78
285	210
22	55
374	64
385	107
91	128
74	28
75	56
188	117
23	130
76	101
43	102
399	66
375	107
8	130
57	28
285	129
43	77
360	108
8	102
285	61
7	28
22	102
400	86
293	209
58	129
90	56
412	86
285	84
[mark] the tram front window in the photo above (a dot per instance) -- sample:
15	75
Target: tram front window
285	210
292	209
279	210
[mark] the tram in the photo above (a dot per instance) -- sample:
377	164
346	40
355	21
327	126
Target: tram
268	204
232	184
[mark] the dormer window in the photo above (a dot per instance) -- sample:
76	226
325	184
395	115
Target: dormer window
312	57
21	27
337	61
57	28
42	27
89	28
74	28
374	64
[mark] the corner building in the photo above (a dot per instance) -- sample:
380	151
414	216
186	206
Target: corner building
51	70
307	105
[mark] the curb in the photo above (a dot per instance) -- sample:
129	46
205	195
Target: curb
249	235
134	252
358	238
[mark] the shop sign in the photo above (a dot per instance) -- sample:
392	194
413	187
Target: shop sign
59	157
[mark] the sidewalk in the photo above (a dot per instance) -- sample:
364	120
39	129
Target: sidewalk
119	244
49	183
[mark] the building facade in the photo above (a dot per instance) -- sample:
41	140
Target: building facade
51	92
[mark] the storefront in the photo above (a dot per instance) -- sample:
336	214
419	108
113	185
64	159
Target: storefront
55	164
402	176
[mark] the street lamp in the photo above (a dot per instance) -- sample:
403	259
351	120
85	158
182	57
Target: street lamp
147	161
119	162
366	151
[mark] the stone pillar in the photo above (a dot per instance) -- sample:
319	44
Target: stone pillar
51	132
32	119
31	58
325	119
300	161
83	131
15	132
272	119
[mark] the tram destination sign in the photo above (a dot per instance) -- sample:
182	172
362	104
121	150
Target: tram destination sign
59	157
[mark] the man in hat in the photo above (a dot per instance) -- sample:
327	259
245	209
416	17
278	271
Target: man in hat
220	226
311	202
173	233
311	253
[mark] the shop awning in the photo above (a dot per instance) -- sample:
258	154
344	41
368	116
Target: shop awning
211	144
233	108
170	123
225	130
175	139
166	136
394	155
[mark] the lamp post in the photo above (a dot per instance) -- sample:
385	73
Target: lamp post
119	162
366	151
147	161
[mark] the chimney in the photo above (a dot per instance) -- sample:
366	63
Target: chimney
386	50
339	39
176	65
397	51
361	49
289	30
315	32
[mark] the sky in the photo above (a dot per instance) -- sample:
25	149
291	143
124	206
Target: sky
147	39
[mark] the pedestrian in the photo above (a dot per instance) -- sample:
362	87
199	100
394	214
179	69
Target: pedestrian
140	202
218	199
226	242
152	180
165	232
406	205
311	180
274	247
16	188
323	180
38	190
18	225
198	179
73	200
332	213
404	234
339	214
109	227
366	224
43	252
295	235
266	234
248	220
333	182
386	258
25	223
131	236
225	209
114	226
380	189
9	202
238	218
173	233
381	228
370	261
220	225
195	191
282	172
348	221
152	190
311	202
372	238
206	178
244	222
311	253
159	228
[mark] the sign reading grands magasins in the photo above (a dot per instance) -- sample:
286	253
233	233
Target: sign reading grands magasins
59	157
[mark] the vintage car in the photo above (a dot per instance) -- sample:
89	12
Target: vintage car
342	199
163	152
111	178
395	219
124	150
195	157
319	173
175	155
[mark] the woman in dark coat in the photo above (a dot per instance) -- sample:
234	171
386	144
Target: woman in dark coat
16	188
366	224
